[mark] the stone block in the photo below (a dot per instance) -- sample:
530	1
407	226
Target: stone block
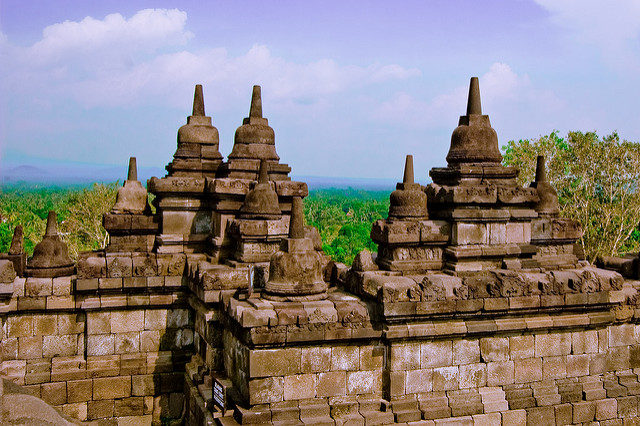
583	342
628	407
100	409
29	347
127	342
577	365
315	359
405	356
144	385
552	344
584	411
274	362
150	340
554	367
264	391
418	381
521	346
20	326
436	354
345	358
500	373
132	406
59	345
155	319
514	418
364	382
34	287
466	351
494	348
111	387
98	322
125	321
527	370
606	409
472	375
177	318
76	411
445	378
371	357
621	335
564	414
100	344
79	390
61	286
119	266
537	416
54	393
299	386
332	383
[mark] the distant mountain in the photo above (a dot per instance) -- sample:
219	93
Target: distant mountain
85	173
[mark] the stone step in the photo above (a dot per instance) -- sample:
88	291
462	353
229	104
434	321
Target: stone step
320	421
405	416
430	413
377	417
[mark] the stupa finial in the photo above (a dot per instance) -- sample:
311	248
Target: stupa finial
473	102
296	225
52	224
263	172
133	169
408	170
198	102
17	246
541	171
256	103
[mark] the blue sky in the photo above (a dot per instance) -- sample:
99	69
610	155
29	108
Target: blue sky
349	87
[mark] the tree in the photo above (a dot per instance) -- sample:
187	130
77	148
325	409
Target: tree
597	183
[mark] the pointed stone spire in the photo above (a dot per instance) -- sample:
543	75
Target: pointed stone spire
52	224
198	102
263	173
256	103
473	102
408	170
17	246
541	171
133	169
548	204
474	140
296	225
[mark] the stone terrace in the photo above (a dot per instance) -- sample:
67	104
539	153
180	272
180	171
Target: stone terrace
220	307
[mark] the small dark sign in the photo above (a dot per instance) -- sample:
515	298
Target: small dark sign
219	398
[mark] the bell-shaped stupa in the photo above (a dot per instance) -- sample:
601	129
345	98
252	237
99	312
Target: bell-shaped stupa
198	143
474	140
50	256
548	204
261	201
408	200
295	272
132	197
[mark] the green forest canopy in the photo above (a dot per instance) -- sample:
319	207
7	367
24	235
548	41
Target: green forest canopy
596	179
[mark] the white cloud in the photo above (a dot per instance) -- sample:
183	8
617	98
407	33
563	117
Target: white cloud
612	26
117	61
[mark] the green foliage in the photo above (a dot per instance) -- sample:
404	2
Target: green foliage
597	183
344	219
79	212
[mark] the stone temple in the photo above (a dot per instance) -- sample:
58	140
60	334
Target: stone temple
221	308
